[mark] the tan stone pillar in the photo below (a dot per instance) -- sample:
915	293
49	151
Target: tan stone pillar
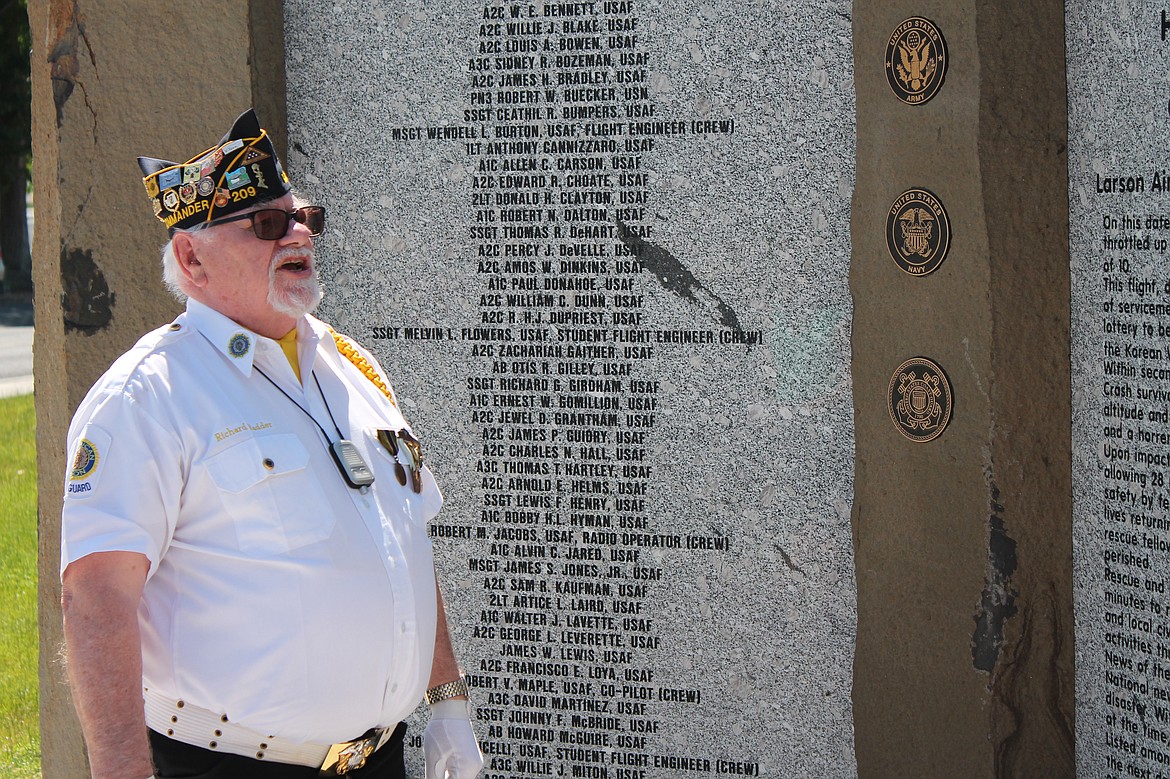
112	81
964	664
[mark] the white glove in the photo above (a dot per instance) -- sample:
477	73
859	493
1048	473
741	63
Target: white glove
450	750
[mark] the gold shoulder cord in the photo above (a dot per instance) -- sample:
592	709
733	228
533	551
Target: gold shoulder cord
362	364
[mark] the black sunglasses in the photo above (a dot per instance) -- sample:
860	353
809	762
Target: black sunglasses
271	224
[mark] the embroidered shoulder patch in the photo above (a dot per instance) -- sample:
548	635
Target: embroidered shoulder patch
85	461
88	458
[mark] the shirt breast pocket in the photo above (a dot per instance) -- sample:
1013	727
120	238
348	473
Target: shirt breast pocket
273	498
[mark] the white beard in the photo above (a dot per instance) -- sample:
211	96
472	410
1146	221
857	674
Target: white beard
293	298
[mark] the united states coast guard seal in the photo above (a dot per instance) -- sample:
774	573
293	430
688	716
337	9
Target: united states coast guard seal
916	60
920	400
918	232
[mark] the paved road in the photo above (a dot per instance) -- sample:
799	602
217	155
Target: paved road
16	337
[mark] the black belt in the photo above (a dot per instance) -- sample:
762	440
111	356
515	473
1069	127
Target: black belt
378	749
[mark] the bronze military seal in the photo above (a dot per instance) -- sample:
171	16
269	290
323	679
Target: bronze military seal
919	399
918	232
916	60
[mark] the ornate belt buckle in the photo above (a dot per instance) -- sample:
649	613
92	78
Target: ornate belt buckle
349	756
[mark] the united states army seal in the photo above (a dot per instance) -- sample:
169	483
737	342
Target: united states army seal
919	399
916	60
918	232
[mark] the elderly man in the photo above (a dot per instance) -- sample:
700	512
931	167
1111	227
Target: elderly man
248	586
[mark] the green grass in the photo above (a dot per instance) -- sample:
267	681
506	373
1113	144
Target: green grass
20	740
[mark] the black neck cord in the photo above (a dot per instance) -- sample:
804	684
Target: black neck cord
303	409
346	456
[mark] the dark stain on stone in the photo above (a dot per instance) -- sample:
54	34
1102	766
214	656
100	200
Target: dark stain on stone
788	560
63	63
86	299
64	72
997	604
675	277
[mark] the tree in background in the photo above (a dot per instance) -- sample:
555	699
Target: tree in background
15	144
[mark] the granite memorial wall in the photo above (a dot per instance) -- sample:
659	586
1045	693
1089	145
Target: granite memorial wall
602	249
1119	201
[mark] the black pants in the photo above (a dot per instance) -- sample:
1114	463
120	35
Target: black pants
176	760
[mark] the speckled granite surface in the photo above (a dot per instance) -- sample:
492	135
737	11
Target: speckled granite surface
602	249
1119	223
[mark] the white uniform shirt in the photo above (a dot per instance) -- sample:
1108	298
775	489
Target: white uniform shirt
277	594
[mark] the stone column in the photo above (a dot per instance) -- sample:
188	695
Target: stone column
963	543
111	82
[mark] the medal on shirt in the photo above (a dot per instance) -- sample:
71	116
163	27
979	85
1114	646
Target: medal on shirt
407	454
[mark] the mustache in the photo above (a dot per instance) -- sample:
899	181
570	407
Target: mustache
286	253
